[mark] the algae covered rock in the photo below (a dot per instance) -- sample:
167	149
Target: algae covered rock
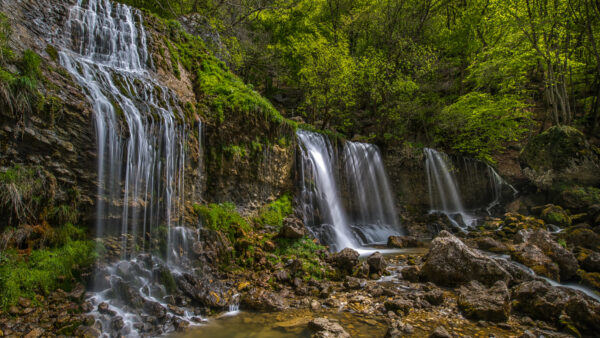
480	303
560	154
554	214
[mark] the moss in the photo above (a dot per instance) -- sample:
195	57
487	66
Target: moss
42	271
554	148
274	213
52	52
577	197
554	214
591	279
309	253
224	218
166	279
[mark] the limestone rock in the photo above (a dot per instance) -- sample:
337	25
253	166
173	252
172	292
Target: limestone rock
450	263
480	303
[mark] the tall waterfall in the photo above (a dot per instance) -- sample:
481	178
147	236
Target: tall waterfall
141	133
319	188
372	217
140	130
444	184
374	213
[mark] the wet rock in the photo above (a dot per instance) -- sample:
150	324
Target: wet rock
398	329
480	303
180	324
591	263
128	294
292	228
398	305
209	292
346	259
403	242
566	261
533	257
377	263
87	332
411	273
117	323
103	308
540	300
155	309
263	300
440	332
354	283
450	262
434	297
323	327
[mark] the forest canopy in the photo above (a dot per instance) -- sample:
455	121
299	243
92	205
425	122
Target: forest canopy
471	76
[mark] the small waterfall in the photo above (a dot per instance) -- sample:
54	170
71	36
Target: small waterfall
372	217
370	195
319	188
444	183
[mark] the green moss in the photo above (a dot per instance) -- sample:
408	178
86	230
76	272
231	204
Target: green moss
554	148
274	213
305	250
166	279
52	52
223	217
554	214
24	192
43	271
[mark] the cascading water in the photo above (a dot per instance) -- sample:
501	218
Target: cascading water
141	134
444	187
374	213
319	188
373	218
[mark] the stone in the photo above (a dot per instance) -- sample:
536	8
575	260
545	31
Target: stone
403	242
490	244
117	323
353	283
555	214
566	261
539	300
323	327
450	263
377	263
440	332
87	332
398	304
104	308
591	263
24	302
35	333
434	297
291	231
411	273
583	237
480	303
155	309
263	300
346	259
533	257
77	293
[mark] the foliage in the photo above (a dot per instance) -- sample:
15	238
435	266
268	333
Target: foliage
24	191
44	270
223	217
479	124
307	251
273	213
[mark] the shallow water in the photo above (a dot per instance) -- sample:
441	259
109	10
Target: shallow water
292	323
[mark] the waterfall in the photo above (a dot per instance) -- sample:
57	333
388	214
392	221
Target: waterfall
140	130
141	133
372	217
319	188
370	194
485	186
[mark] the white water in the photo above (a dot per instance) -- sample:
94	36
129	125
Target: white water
319	187
141	132
373	215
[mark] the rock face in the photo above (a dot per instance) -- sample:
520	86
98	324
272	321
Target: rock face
323	327
450	263
480	303
539	300
560	154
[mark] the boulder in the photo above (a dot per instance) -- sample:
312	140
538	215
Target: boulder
354	283
263	300
292	228
480	303
490	244
591	263
434	297
411	273
534	258
403	242
539	300
554	214
323	327
560	154
564	258
377	263
346	259
398	305
440	332
450	263
582	236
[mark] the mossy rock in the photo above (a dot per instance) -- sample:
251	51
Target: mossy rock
560	154
554	214
591	279
582	236
577	197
